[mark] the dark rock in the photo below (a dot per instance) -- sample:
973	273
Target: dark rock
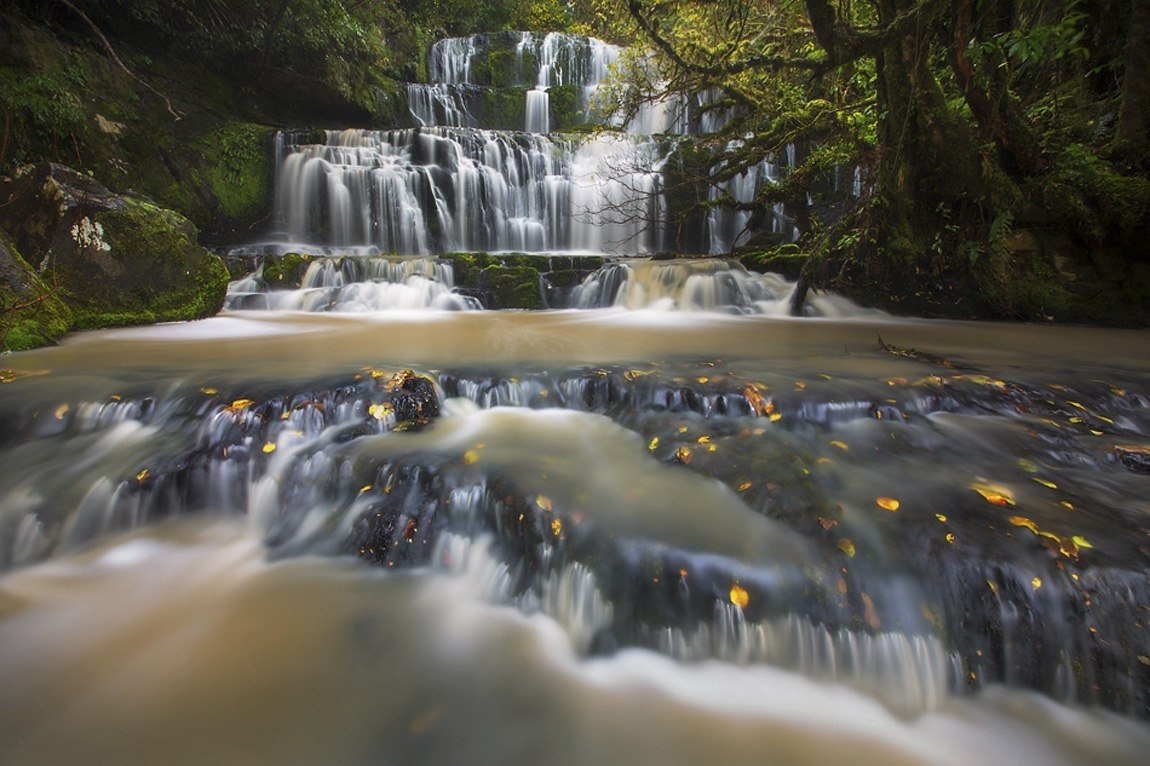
1137	460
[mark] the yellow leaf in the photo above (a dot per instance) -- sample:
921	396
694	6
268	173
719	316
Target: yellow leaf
1081	541
653	444
840	444
683	455
379	411
142	476
755	399
993	493
950	537
632	374
940	517
240	404
704	440
470	457
269	448
61	411
556	527
775	417
847	547
702	379
744	486
543	502
887	503
209	391
1036	582
1044	482
739	596
1022	521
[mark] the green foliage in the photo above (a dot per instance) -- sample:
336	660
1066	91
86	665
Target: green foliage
239	173
42	111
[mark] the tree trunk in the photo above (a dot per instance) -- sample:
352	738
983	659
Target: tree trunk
1134	112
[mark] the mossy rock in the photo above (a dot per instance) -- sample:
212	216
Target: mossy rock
31	311
515	287
116	260
285	271
164	275
468	266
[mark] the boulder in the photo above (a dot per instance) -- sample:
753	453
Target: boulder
31	311
115	260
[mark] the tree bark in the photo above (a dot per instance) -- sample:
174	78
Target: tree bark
1134	111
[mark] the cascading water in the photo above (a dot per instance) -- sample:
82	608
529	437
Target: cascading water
671	525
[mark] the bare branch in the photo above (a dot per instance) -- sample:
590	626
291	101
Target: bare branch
115	57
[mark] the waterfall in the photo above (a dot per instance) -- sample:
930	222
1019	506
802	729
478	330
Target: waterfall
453	182
419	191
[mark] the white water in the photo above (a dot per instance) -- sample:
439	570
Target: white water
184	646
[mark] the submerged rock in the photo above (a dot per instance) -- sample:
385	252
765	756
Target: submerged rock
117	260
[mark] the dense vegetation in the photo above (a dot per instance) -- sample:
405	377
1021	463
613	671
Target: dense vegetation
1001	145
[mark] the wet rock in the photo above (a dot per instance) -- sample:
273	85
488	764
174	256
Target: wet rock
1135	459
117	260
413	399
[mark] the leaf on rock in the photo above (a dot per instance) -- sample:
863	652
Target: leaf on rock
739	596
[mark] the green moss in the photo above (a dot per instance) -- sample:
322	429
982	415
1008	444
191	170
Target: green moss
565	278
31	312
502	108
238	168
286	270
500	67
565	111
786	259
511	287
468	266
154	271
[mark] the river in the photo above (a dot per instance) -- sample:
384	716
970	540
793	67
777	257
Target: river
374	522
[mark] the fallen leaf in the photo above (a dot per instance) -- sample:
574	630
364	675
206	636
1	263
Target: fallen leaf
887	503
847	547
739	596
993	494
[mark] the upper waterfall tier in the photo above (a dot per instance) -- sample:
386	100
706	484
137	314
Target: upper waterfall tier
479	80
540	83
449	189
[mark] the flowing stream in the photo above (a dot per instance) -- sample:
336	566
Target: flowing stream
366	519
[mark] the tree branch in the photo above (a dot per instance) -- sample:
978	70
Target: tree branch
116	57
